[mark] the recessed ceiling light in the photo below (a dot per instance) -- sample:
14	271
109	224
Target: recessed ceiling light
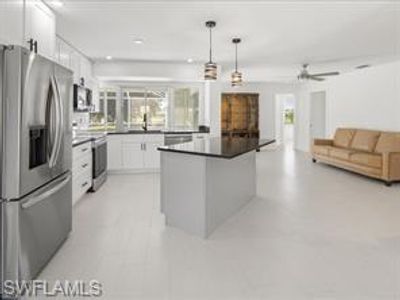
189	60
109	57
363	66
57	3
138	41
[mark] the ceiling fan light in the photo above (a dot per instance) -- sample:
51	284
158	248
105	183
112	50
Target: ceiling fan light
236	79
210	71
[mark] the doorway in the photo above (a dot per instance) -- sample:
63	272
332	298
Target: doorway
285	120
317	115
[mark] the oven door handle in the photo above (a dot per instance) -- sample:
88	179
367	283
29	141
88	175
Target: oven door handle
35	200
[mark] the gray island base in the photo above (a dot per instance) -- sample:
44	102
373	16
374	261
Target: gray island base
206	181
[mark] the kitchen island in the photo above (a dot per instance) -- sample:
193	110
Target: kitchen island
206	181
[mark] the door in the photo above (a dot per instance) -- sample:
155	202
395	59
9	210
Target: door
37	135
317	115
34	227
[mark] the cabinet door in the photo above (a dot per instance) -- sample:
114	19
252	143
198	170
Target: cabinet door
64	53
40	25
11	22
114	153
132	156
152	155
76	66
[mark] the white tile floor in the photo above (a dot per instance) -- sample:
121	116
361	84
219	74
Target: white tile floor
313	232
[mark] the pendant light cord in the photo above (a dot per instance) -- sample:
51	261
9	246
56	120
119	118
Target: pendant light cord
210	45
236	58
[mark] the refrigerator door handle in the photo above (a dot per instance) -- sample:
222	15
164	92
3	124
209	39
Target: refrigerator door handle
35	200
60	119
54	150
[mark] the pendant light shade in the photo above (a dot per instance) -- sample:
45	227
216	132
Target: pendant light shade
210	68
236	77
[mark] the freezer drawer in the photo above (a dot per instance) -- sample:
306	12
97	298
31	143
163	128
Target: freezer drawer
34	227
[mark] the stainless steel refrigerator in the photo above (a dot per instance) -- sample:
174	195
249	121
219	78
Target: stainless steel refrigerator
35	152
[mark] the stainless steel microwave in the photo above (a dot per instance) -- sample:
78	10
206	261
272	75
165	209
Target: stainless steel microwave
82	98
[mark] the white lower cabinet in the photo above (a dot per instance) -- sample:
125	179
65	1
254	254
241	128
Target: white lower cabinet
132	155
81	170
134	152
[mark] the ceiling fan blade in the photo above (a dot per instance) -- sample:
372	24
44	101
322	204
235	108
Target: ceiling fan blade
326	74
312	77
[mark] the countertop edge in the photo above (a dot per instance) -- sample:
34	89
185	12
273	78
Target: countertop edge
216	155
83	141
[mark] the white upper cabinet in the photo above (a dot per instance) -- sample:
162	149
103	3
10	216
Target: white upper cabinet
11	22
63	53
40	25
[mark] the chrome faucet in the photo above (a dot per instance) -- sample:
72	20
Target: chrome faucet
144	127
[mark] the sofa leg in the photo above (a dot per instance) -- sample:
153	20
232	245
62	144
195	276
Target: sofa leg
388	183
314	160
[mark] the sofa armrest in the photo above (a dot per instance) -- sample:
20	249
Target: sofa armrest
391	166
322	142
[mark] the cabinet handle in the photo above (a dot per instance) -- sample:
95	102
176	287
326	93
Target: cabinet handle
84	165
84	149
144	147
84	184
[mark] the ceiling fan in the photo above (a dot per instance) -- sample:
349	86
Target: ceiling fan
304	75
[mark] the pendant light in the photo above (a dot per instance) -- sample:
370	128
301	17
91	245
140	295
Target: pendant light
236	78
210	68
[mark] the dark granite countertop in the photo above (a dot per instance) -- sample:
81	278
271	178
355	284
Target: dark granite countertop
80	140
218	147
85	137
156	132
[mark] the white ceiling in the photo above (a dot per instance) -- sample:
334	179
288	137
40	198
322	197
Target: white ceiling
276	36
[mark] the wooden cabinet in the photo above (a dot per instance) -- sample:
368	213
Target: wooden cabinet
81	170
40	25
11	22
134	152
239	115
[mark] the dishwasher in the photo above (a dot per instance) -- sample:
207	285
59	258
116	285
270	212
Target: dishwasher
177	138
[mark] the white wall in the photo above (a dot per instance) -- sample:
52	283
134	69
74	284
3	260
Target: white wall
147	71
367	98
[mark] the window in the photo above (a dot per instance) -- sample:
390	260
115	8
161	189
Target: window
175	108
184	112
138	102
106	117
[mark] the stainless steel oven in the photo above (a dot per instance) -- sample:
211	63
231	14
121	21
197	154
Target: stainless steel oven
99	150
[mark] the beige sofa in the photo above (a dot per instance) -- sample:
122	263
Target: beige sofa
372	153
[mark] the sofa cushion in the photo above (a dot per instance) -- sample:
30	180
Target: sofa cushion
340	153
343	137
372	160
365	140
321	150
388	142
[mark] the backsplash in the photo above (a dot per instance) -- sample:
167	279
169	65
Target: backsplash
81	120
